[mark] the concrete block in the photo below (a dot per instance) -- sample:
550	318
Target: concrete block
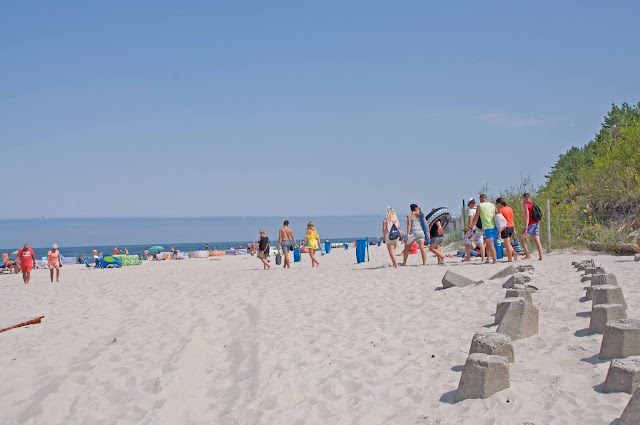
621	339
604	279
521	293
508	271
520	319
607	294
451	279
516	279
501	308
483	376
636	257
494	344
631	414
602	313
623	376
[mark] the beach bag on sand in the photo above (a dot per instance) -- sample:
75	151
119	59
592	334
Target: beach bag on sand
278	259
296	255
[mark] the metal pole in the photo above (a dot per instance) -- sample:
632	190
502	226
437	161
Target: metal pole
463	224
367	239
548	227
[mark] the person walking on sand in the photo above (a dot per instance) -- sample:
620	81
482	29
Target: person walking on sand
509	230
391	233
115	250
312	240
263	249
27	262
486	212
476	235
287	242
54	262
436	234
414	228
532	216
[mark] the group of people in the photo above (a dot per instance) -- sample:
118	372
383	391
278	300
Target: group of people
287	243
433	237
481	231
26	261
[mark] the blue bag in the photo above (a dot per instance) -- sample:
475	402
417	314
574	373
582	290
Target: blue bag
296	255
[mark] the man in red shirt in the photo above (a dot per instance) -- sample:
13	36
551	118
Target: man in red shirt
531	227
27	261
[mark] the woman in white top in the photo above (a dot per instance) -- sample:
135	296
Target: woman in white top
391	240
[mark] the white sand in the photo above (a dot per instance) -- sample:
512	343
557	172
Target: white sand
223	342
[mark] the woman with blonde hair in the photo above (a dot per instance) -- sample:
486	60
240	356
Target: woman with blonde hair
392	233
414	228
263	249
312	240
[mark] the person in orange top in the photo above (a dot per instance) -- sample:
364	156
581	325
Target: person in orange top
27	262
509	231
54	262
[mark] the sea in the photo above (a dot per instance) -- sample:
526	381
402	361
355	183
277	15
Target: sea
75	236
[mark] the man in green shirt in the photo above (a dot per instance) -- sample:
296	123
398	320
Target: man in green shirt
486	211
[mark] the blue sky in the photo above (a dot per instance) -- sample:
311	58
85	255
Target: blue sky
305	108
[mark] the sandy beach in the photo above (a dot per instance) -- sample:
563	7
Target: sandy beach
223	342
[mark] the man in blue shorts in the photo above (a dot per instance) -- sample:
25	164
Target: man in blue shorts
531	227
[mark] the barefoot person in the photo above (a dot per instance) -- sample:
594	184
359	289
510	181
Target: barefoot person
54	262
414	228
287	242
436	234
263	249
531	226
392	234
27	262
486	212
8	264
507	233
312	241
476	237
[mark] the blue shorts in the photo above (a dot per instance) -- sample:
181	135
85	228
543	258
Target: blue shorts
533	229
491	233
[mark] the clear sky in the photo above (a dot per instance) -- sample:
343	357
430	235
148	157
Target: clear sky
203	108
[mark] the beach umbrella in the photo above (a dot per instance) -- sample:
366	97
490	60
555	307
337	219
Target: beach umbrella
156	248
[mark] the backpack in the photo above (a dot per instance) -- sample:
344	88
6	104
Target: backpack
479	223
536	212
394	233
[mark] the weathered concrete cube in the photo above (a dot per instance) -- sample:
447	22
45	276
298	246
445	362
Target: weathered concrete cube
524	268
494	344
520	320
631	414
602	313
636	257
451	279
623	376
521	293
604	279
607	294
590	270
621	338
501	309
483	376
516	279
508	271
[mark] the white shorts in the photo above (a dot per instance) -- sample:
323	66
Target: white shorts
476	236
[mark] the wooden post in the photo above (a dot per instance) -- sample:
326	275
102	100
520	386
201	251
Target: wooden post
548	227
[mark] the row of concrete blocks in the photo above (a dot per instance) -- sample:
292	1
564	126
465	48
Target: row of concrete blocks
621	336
486	370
